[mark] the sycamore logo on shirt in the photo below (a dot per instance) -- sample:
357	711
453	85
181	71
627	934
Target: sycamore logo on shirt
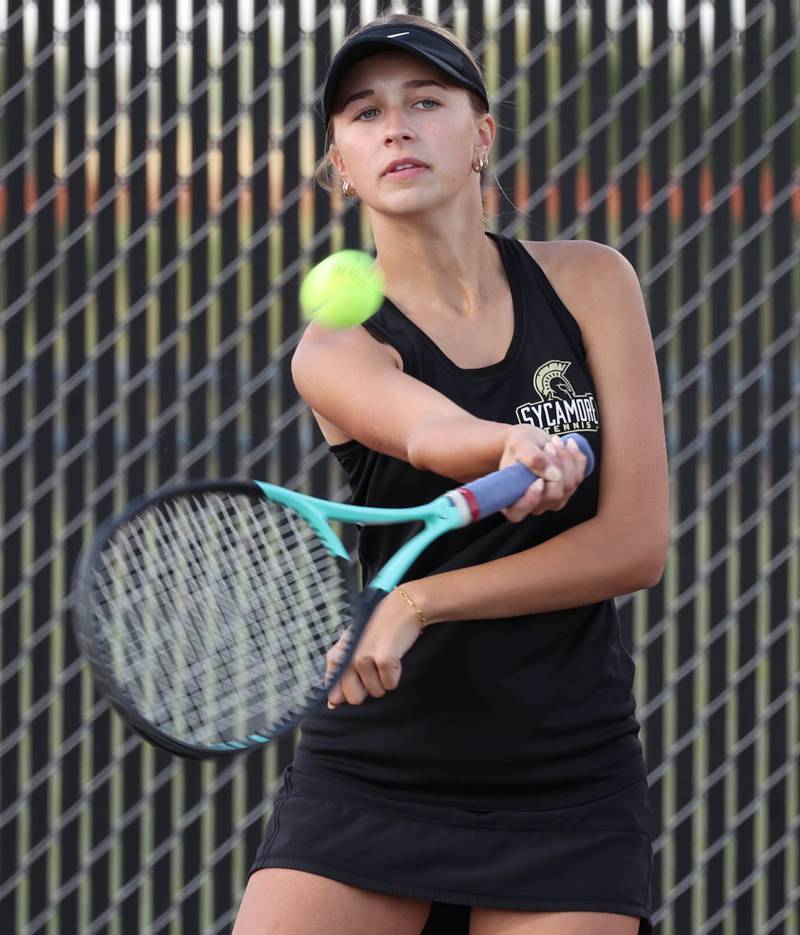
559	408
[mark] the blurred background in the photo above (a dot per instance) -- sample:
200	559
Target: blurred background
157	210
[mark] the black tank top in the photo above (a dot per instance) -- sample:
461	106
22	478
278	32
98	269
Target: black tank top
529	711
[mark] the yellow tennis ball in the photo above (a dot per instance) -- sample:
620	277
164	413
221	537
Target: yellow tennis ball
343	290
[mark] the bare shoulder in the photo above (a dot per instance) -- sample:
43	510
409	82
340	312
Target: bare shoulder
317	341
589	278
337	350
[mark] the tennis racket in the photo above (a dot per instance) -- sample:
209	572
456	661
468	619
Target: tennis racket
206	611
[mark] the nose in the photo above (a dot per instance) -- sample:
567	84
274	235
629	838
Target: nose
397	127
392	137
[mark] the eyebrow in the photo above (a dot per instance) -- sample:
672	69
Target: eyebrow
415	83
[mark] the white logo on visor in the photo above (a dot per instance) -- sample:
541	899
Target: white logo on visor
396	35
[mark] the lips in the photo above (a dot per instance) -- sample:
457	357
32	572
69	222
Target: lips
406	163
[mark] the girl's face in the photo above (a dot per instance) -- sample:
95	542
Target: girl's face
394	106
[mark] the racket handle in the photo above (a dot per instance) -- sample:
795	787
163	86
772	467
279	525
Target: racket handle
500	489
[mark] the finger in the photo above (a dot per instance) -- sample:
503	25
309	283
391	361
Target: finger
370	677
567	465
551	504
347	690
390	671
575	458
538	460
543	464
335	693
519	510
580	458
352	687
554	489
527	503
333	659
335	696
553	498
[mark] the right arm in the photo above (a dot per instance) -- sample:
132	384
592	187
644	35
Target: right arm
355	383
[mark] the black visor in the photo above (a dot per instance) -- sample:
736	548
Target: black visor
425	43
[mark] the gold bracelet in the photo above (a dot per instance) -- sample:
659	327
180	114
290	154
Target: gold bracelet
422	620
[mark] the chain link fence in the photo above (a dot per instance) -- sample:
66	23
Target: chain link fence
157	210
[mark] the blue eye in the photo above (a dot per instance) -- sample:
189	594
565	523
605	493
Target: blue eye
371	110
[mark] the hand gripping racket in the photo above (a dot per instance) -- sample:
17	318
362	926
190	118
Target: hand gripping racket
206	611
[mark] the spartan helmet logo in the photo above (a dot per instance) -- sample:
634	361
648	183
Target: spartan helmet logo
550	382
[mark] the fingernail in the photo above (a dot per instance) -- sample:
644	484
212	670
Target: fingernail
550	448
331	706
552	473
573	445
557	440
539	485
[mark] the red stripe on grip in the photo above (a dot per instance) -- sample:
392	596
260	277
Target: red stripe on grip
474	509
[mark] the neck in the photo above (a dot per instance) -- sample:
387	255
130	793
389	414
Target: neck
435	263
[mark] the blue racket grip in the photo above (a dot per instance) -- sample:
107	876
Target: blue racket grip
500	489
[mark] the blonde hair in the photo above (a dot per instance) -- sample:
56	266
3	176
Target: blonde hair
326	175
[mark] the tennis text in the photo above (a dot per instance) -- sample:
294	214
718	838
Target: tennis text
559	408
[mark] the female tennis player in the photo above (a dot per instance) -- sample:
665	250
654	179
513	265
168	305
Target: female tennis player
478	767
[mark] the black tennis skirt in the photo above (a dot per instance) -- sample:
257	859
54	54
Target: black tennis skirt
594	856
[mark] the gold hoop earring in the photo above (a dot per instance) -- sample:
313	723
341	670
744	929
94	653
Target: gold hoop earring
481	163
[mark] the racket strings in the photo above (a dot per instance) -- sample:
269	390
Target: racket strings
221	608
308	588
